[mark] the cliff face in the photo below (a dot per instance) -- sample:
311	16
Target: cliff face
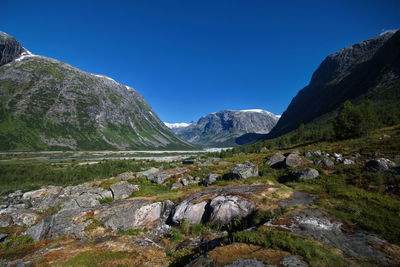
228	128
369	66
48	104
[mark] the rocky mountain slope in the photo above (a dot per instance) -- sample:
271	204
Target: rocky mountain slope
367	70
228	128
47	104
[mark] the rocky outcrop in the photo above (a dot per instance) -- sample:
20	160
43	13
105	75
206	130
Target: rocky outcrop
10	49
228	128
295	160
123	215
242	171
276	160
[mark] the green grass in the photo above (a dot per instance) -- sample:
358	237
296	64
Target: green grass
97	258
315	253
132	232
25	175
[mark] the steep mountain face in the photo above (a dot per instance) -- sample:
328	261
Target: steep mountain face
228	128
47	104
370	69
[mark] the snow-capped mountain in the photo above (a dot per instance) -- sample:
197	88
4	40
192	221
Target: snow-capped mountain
227	127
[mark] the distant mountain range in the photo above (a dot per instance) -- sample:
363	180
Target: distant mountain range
367	70
46	104
227	128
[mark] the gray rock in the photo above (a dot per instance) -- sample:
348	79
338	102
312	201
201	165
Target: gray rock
5	220
325	228
293	261
305	174
276	160
226	208
348	162
44	198
176	185
210	179
147	172
216	204
313	153
10	48
246	263
158	178
295	160
324	162
126	176
3	237
243	171
185	182
123	189
379	165
124	215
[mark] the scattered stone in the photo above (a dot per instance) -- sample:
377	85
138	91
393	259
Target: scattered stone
305	174
243	171
348	162
223	163
276	160
158	178
123	189
3	237
264	150
210	179
313	153
379	165
147	172
184	182
295	160
176	185
324	162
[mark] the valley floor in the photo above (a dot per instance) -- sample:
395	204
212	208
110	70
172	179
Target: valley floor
323	204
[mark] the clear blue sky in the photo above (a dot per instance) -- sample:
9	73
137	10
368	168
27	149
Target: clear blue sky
190	58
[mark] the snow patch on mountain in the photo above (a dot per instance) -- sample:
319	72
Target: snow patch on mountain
177	125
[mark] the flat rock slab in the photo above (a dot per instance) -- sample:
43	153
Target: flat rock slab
327	229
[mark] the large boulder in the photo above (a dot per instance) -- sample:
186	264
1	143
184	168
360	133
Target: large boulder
295	160
276	160
220	204
304	174
123	189
379	165
243	171
146	173
226	208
